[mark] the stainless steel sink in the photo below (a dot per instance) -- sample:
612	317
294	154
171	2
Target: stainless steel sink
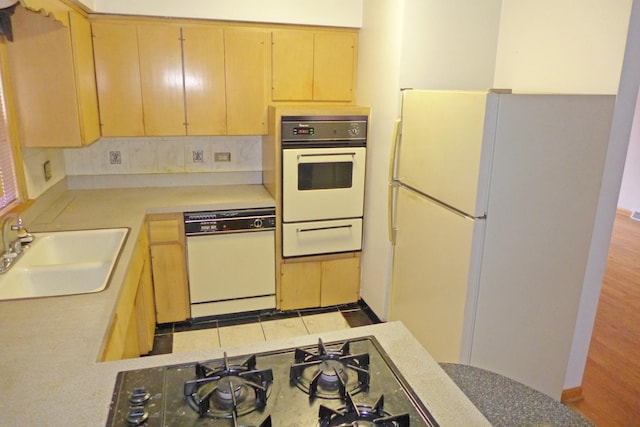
64	263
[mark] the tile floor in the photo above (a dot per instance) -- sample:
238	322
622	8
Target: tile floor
227	331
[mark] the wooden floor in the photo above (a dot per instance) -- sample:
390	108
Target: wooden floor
611	382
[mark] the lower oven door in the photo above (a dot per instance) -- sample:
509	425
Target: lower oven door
320	183
321	237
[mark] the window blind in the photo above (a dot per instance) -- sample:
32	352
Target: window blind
8	183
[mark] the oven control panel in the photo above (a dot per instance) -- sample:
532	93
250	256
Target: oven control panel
324	130
228	221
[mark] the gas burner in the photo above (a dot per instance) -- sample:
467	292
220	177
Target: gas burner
229	391
330	373
355	415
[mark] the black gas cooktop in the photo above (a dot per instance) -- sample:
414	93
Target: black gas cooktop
346	383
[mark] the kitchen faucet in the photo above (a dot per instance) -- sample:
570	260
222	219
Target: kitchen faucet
12	249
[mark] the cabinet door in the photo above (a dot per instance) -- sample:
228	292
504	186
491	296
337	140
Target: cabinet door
292	65
114	345
334	66
300	285
145	310
204	80
170	282
118	79
42	78
247	69
85	75
131	344
161	79
340	281
145	301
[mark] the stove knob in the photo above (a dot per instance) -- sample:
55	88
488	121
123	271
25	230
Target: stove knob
257	223
139	396
137	415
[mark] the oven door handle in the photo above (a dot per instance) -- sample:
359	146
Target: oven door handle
327	157
335	227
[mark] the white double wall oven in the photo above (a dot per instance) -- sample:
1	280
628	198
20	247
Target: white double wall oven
323	175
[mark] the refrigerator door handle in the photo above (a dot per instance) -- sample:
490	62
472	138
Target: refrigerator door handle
391	191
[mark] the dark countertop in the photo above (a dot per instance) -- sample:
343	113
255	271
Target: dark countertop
508	403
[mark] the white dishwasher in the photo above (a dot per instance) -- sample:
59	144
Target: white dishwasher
231	260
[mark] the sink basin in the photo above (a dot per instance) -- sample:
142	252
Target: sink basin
64	263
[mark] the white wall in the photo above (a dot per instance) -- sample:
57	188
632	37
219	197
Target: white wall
630	189
419	44
562	45
88	3
33	160
569	47
378	87
340	13
449	44
618	144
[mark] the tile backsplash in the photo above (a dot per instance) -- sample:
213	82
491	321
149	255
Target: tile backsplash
154	155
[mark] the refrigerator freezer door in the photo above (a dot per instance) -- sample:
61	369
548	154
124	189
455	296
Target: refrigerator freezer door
435	275
446	146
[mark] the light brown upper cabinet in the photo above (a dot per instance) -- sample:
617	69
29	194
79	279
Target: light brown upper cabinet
165	79
52	80
182	76
292	66
247	52
204	80
115	47
313	65
161	78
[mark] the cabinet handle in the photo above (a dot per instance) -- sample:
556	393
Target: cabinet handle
390	194
303	230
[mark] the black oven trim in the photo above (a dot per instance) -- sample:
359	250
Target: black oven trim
322	139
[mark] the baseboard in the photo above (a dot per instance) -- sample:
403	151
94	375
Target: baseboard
572	395
623	212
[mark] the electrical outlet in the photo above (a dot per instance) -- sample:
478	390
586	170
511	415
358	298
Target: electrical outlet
222	157
198	156
115	157
47	170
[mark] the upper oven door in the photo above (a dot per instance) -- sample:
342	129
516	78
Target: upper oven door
322	183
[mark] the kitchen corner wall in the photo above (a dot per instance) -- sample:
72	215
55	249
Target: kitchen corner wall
33	160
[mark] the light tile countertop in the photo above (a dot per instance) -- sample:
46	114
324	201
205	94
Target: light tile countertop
49	369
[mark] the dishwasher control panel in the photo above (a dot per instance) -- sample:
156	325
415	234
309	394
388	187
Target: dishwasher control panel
229	221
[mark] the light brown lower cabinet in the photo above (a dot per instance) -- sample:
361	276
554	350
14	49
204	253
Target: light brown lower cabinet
133	325
169	267
320	282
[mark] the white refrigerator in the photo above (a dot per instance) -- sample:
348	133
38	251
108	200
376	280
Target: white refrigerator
492	205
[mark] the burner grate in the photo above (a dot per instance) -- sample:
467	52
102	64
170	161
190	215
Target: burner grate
353	414
330	373
228	391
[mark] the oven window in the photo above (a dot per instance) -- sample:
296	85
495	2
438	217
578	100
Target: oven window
322	176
